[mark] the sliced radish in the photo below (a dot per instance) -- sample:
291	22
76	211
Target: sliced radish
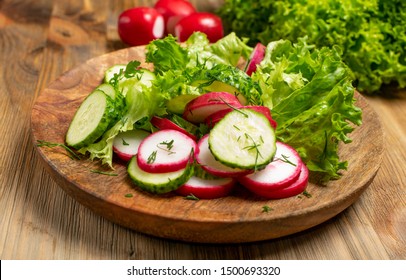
280	173
295	188
214	118
164	151
126	144
207	188
164	123
201	107
256	57
265	111
206	160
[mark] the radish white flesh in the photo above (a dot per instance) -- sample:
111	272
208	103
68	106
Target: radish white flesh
207	188
201	107
256	57
126	144
214	118
166	150
280	173
295	188
163	123
205	158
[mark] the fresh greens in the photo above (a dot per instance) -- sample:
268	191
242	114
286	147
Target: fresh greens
370	33
308	89
311	97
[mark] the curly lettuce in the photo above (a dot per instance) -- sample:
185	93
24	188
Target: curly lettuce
371	34
311	96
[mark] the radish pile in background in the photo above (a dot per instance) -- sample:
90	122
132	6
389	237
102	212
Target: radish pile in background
140	25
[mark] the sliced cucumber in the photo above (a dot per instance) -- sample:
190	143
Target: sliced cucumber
117	69
177	104
108	89
243	139
91	120
158	182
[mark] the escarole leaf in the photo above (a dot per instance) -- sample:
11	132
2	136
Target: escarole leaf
311	96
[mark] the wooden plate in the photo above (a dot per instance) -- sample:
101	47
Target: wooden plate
237	218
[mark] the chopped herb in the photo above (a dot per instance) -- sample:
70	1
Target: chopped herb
42	143
286	160
252	147
152	157
306	194
103	172
124	142
266	209
129	195
236	127
168	144
191	197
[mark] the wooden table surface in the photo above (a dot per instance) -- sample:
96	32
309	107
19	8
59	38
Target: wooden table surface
41	39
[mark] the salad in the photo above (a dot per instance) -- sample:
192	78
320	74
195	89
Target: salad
197	122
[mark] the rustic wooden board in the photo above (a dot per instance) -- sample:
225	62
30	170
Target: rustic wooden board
234	219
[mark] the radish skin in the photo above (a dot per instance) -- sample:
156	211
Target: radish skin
197	110
256	57
164	151
163	123
295	188
280	173
207	188
125	144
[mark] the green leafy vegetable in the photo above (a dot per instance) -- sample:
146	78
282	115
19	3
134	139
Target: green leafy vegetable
371	34
310	93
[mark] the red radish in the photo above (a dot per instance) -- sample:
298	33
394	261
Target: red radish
280	173
206	160
207	188
163	123
140	25
295	188
265	111
256	57
197	110
126	144
207	23
173	11
214	118
165	151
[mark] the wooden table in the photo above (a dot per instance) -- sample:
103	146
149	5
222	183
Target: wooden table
39	40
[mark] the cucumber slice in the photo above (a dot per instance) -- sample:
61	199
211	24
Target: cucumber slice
108	89
177	104
91	120
158	182
114	70
243	139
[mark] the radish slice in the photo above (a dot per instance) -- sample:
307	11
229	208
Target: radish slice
214	118
201	107
295	188
163	123
164	151
280	173
126	144
256	57
207	188
205	158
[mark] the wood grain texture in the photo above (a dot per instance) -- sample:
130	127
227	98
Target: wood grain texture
38	220
237	218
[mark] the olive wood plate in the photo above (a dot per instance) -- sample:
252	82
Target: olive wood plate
233	219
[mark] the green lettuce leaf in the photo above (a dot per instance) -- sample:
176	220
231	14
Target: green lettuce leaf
371	34
311	96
